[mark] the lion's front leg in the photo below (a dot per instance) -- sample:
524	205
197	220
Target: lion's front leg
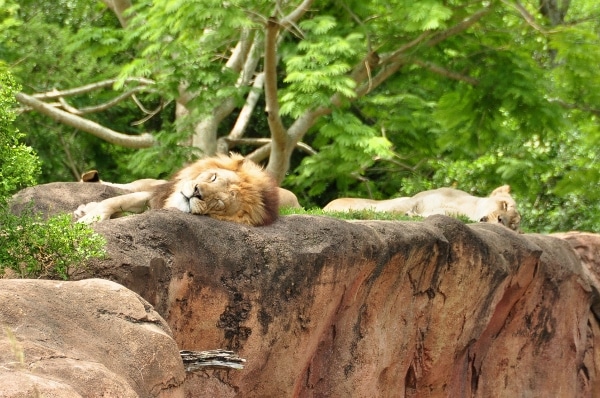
91	212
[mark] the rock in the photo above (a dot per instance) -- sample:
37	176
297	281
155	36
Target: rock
323	307
92	338
60	197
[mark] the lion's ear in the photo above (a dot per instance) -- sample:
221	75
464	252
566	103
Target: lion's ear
90	176
236	159
504	205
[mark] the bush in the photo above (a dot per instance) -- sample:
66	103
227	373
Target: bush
35	248
31	247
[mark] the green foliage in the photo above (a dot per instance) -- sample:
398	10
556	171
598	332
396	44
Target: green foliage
505	101
343	137
30	246
35	248
317	69
18	163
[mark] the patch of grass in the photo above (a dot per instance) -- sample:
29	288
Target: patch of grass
360	215
350	215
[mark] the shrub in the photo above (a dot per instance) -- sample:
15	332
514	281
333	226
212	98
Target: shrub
31	247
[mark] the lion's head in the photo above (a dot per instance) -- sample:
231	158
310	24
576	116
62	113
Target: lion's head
228	188
505	209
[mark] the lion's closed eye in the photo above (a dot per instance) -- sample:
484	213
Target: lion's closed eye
213	177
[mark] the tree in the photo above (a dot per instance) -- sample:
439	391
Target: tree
381	97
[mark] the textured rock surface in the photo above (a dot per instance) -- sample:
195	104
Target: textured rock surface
92	338
322	307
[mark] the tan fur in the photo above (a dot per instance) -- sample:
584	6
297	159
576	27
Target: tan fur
499	207
288	199
227	188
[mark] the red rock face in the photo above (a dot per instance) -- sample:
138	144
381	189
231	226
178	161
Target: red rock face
321	307
326	308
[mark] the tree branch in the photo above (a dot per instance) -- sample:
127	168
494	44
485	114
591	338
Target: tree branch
54	94
262	141
130	141
444	72
101	107
246	113
567	105
270	69
119	7
460	27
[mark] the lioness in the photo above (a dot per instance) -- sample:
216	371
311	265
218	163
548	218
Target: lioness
227	188
499	207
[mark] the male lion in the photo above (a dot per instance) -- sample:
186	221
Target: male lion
499	207
228	188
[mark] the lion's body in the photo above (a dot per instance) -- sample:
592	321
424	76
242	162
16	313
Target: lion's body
226	188
499	207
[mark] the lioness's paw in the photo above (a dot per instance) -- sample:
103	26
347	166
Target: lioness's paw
84	209
90	213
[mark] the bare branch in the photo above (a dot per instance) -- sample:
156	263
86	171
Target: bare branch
384	73
262	141
150	114
274	26
118	7
260	154
567	105
104	106
445	72
130	141
246	113
526	16
295	15
461	26
54	94
270	69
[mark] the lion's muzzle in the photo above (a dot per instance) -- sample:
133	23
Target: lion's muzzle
197	193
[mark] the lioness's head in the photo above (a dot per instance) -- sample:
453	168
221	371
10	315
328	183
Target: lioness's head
227	188
508	218
505	211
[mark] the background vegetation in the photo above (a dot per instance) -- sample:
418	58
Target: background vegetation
387	98
29	245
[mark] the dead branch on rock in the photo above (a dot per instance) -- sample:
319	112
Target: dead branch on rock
220	359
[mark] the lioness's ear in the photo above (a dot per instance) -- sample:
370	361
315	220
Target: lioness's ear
504	189
504	205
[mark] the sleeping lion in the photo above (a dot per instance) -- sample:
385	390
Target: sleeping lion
499	207
229	188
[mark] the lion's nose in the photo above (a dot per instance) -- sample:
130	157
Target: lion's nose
197	193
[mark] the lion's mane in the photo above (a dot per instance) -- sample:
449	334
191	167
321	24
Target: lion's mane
257	196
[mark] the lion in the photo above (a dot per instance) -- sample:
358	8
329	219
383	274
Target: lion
499	207
229	188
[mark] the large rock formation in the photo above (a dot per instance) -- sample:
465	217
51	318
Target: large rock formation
91	338
323	307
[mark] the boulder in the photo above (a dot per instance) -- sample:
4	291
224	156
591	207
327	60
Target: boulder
323	307
91	338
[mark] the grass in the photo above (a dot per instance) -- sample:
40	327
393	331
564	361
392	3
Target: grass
358	215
